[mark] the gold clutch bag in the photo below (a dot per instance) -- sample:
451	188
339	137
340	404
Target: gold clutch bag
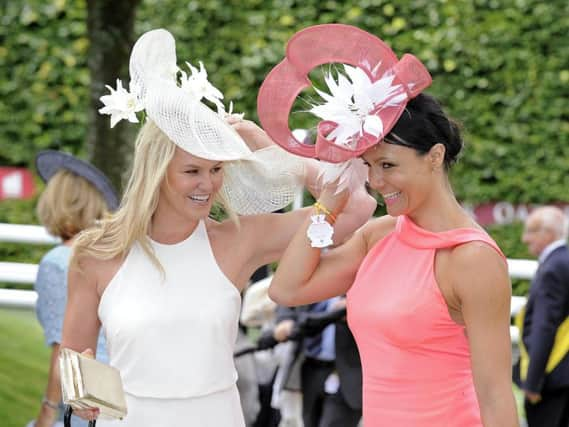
88	383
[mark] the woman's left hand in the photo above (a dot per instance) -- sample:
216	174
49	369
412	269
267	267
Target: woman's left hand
255	137
334	199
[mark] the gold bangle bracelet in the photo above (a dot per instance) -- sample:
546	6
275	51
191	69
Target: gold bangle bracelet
321	208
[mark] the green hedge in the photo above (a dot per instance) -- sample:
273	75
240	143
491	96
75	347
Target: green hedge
500	67
44	81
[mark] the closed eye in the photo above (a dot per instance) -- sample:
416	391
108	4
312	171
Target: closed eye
217	169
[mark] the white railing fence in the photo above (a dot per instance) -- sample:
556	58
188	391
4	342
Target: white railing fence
21	273
30	234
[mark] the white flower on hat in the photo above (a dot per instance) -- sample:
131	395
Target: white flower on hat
197	85
121	104
352	100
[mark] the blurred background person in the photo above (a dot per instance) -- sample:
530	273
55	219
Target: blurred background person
76	195
246	365
247	381
258	314
543	369
328	358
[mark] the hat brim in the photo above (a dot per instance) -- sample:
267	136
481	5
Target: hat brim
49	162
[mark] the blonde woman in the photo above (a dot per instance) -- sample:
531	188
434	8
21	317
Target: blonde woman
76	195
160	275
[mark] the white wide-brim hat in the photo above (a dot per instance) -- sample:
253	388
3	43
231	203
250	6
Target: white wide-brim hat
254	182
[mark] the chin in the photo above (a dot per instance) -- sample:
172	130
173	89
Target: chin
194	214
395	211
201	214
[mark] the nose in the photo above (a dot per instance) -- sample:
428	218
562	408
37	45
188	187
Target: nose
206	182
375	179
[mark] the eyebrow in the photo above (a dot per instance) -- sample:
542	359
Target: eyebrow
376	159
191	165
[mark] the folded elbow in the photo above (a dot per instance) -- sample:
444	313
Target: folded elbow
280	297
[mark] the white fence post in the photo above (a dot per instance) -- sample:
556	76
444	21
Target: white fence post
30	234
12	272
15	272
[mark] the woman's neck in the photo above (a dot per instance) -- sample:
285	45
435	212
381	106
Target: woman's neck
441	212
170	229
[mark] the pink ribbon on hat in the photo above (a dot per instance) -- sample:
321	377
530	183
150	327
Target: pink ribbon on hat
333	43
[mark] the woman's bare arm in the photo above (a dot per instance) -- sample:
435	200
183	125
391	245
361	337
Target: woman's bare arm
48	414
81	324
306	275
267	236
484	295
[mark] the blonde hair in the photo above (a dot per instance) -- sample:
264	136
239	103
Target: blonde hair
69	204
131	222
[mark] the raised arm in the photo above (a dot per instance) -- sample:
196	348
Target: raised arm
267	236
306	274
484	295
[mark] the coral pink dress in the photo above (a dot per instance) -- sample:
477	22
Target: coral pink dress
415	358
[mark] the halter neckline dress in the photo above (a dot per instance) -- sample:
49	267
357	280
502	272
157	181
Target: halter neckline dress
172	336
415	358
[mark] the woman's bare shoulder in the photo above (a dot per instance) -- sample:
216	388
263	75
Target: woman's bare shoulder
93	264
377	228
476	253
469	278
226	229
96	271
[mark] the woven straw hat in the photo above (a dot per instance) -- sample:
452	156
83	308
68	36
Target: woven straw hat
254	182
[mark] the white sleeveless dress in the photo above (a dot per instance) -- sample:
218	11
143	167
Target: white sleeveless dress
172	337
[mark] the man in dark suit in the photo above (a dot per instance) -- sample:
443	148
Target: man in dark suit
330	368
543	370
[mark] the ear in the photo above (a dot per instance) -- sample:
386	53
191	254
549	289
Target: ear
437	156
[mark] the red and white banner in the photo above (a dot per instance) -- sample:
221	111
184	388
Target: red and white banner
501	213
16	183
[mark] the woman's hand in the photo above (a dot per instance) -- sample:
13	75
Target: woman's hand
283	330
332	199
255	137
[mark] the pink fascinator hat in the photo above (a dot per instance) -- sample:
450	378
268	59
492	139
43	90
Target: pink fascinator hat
363	103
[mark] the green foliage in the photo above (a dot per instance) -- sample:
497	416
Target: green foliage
44	81
498	66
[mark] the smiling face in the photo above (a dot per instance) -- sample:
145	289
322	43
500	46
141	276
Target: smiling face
403	176
190	186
